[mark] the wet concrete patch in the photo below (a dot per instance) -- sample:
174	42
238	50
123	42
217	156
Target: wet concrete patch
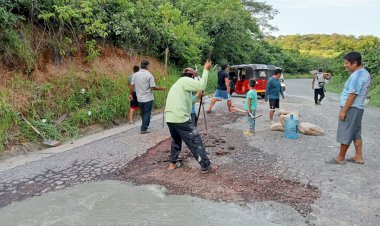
120	203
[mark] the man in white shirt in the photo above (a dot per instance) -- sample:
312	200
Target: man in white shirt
144	84
318	84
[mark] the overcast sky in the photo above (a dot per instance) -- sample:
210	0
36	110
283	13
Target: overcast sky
349	17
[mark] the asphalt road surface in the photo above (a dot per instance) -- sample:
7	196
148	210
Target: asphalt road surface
65	185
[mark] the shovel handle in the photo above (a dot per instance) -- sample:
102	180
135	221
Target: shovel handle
30	124
250	114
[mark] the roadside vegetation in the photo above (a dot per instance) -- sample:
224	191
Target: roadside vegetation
327	51
53	55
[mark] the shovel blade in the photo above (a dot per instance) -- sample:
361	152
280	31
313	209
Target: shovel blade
52	143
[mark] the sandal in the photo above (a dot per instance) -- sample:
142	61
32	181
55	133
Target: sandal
208	111
333	161
354	161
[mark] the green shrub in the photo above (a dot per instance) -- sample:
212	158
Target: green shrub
8	118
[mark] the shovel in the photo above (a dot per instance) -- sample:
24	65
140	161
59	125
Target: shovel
250	114
48	142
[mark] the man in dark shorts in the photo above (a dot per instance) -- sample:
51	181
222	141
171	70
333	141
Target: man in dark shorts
352	108
134	104
222	90
273	92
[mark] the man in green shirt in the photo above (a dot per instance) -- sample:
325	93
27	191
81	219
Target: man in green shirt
177	115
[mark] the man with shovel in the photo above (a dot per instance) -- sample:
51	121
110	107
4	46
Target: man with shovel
177	115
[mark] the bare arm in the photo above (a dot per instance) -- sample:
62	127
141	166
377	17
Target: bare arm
249	105
350	99
158	88
227	82
312	84
131	87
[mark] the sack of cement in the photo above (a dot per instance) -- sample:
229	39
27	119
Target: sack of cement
285	117
287	111
310	129
313	72
276	127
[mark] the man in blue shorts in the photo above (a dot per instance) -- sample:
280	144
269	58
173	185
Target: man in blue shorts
352	106
223	89
273	92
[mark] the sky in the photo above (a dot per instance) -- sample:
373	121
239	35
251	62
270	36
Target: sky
348	17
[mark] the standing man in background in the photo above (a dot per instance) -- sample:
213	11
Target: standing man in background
223	89
144	84
352	106
273	92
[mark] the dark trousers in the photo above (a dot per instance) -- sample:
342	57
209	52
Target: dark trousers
146	111
319	92
194	118
189	134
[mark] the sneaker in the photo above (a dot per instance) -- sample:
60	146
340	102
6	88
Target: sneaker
271	122
249	133
144	132
319	103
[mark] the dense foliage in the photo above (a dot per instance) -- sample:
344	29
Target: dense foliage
188	28
303	53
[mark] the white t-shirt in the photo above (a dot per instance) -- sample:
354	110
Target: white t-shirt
318	78
144	82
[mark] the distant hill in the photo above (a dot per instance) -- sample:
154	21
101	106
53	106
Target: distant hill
322	45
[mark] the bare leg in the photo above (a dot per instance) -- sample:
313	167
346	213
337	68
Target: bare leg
358	150
271	113
212	104
131	116
342	152
229	105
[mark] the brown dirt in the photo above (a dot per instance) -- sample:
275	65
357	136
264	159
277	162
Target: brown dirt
244	174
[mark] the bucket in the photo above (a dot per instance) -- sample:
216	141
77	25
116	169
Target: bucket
291	128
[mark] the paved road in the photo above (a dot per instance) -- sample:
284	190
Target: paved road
64	186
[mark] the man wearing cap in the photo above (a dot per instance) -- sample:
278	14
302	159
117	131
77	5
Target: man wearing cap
177	116
144	84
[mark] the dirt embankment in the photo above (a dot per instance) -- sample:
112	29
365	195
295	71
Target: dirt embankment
244	174
111	62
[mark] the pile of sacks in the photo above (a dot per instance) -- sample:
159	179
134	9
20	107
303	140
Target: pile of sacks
303	127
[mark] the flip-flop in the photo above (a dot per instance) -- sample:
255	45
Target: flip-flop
354	161
333	161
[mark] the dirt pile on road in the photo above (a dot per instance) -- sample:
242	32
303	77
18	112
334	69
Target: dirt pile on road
244	174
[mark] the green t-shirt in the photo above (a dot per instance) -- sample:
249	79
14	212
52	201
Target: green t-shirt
179	100
252	94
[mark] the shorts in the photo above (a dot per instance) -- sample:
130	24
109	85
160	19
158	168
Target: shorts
134	103
274	103
350	129
222	94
